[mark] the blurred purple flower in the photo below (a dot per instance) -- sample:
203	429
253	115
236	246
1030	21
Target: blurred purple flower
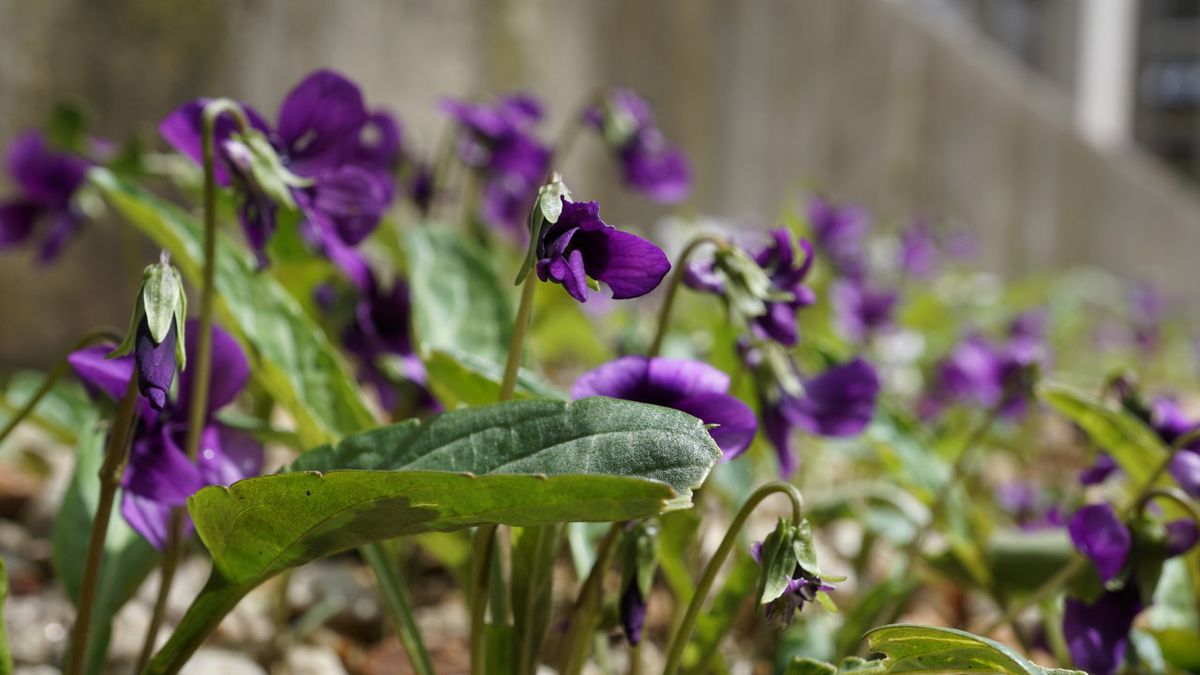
160	476
1100	535
860	309
839	402
1028	506
1103	467
632	611
498	142
580	245
987	374
1097	633
649	164
918	250
1147	309
839	232
693	387
324	133
46	181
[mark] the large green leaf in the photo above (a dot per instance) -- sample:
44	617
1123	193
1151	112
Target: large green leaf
930	649
459	302
1131	443
128	558
462	379
292	358
524	463
60	412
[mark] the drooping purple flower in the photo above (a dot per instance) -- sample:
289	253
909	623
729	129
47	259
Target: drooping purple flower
839	402
632	611
47	181
324	134
802	588
860	309
499	143
787	276
1100	535
160	476
694	387
649	164
918	250
1097	633
987	374
1103	467
581	246
155	364
840	232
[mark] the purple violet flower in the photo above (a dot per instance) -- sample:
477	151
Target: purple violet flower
987	374
581	246
1103	467
802	588
839	402
1099	534
860	309
648	163
918	250
160	476
840	233
693	387
632	611
47	181
1097	633
155	364
324	133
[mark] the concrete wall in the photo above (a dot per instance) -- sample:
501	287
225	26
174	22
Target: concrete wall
865	99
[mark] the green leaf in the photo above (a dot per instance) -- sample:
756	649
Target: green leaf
462	379
534	553
524	463
778	559
1133	445
128	559
6	662
930	649
291	357
459	303
61	412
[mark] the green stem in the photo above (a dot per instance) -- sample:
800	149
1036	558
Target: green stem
688	625
664	313
116	454
520	328
202	364
60	369
392	585
583	615
481	569
204	615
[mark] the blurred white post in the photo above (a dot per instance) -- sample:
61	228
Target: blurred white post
1107	43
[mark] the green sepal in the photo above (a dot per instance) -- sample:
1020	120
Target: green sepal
161	301
804	549
747	286
267	170
546	210
778	561
639	556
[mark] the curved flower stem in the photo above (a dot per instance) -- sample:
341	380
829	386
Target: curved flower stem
1173	494
684	633
60	369
664	313
203	362
583	614
1079	562
116	454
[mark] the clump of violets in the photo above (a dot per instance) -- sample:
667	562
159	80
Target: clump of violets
578	249
768	297
649	164
499	144
47	181
327	157
160	476
1098	618
694	387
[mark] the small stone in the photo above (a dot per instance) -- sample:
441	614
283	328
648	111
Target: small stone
207	661
313	660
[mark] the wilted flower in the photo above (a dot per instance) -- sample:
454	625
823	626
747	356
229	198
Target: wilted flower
691	386
47	181
839	402
839	232
768	299
648	163
326	136
160	476
580	246
498	142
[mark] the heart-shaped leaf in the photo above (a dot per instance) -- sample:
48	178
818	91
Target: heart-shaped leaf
930	649
524	463
293	360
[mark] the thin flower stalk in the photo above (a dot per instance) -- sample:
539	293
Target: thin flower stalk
664	313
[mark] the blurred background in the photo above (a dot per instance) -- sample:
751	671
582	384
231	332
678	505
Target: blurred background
1060	132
